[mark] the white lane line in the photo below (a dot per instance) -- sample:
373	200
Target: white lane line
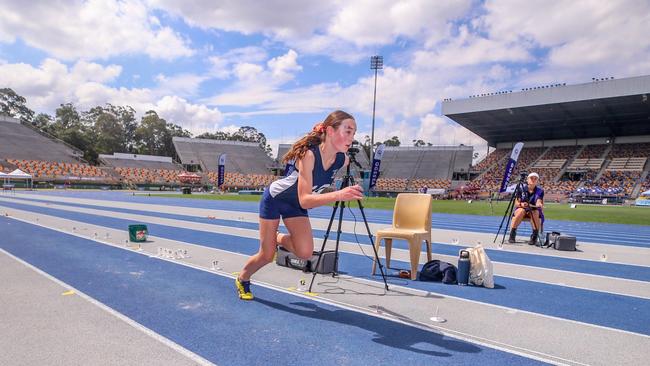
271	286
108	213
485	342
366	247
510	309
166	341
443	224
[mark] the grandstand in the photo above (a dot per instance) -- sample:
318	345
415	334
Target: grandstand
143	169
247	165
44	157
282	150
123	160
51	170
412	168
243	157
54	162
20	142
586	139
362	159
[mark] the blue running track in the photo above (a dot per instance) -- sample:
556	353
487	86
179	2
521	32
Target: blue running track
586	306
566	264
199	310
618	234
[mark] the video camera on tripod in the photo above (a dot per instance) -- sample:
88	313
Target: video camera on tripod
522	176
353	149
348	180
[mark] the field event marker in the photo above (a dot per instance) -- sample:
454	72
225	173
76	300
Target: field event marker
436	318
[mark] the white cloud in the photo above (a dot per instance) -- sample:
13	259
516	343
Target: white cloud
52	83
401	94
582	37
284	67
441	131
433	50
341	30
430	128
244	98
406	100
247	71
271	17
257	84
89	71
372	22
222	65
277	71
196	118
469	48
93	29
180	84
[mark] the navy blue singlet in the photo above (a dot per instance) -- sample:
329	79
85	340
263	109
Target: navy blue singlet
281	197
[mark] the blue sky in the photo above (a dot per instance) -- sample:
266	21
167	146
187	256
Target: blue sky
281	66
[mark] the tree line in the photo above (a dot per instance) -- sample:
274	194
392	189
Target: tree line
110	128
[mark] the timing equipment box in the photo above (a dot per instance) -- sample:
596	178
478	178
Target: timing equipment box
327	263
565	242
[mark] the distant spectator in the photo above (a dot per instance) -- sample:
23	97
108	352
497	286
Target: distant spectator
528	204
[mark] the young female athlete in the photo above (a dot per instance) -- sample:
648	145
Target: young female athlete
317	157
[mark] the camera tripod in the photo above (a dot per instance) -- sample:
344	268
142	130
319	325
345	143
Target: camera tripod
348	180
511	206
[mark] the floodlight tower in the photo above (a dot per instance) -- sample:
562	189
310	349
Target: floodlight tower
376	63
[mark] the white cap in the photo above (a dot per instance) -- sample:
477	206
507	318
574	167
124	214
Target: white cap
533	175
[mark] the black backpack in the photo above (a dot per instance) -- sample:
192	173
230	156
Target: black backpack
437	271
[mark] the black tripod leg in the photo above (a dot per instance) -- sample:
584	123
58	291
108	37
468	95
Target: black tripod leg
510	204
509	213
511	208
372	243
322	248
338	238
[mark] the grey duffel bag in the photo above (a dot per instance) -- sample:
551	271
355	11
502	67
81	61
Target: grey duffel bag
560	241
327	263
565	242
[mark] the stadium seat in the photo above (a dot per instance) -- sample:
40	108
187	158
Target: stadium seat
411	222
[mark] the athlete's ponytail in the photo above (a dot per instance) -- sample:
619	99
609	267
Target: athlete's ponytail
316	136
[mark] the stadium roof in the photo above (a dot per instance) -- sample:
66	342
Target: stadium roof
603	108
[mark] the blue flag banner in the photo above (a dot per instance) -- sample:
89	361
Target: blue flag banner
221	169
510	167
376	162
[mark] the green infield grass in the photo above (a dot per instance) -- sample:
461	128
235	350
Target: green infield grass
590	213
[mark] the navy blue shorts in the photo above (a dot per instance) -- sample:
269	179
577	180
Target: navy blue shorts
272	209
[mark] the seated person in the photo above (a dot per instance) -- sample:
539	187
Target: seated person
528	204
